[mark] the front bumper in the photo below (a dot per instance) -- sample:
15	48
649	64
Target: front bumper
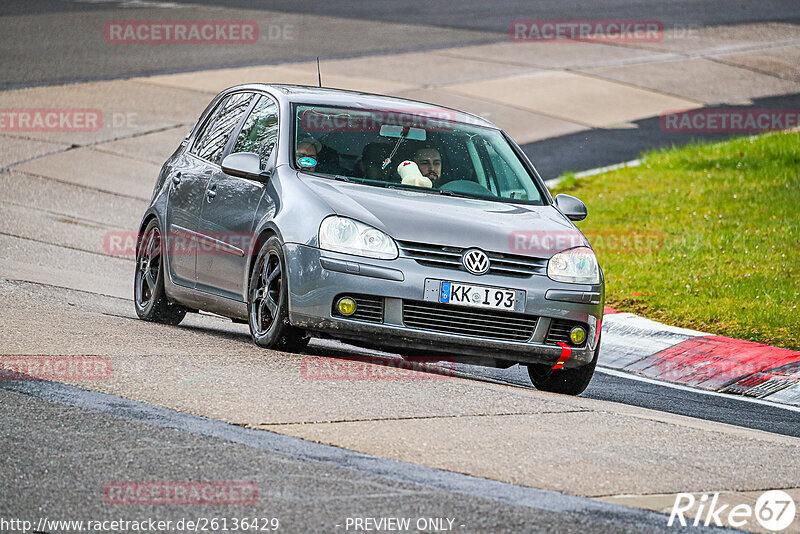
316	278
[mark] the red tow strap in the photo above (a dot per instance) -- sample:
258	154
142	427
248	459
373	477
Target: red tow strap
566	352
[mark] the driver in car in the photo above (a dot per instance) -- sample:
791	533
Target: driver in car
429	161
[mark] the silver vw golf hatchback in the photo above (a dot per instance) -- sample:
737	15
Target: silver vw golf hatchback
383	222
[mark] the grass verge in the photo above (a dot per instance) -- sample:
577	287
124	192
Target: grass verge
704	236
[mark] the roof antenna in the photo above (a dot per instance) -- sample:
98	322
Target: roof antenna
319	76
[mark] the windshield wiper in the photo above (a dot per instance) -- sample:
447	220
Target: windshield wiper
334	176
445	192
448	193
402	187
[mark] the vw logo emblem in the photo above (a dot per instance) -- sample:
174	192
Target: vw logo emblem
475	261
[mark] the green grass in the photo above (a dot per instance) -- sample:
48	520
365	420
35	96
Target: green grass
704	236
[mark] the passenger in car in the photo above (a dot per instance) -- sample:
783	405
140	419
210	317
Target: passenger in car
372	157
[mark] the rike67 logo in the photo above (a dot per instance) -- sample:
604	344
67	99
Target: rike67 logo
774	511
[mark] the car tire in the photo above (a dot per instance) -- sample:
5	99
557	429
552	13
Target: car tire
149	297
565	381
268	302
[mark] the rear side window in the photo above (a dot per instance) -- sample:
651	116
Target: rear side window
260	130
211	141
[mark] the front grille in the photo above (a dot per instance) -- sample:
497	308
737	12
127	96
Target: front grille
488	324
369	308
559	331
450	258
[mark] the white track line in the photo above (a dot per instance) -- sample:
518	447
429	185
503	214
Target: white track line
592	172
621	374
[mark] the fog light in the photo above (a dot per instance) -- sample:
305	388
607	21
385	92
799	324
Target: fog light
577	335
346	305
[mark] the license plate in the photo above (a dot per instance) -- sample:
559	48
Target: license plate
478	296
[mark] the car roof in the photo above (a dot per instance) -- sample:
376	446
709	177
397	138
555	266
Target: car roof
306	94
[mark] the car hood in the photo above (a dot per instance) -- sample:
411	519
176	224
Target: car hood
451	221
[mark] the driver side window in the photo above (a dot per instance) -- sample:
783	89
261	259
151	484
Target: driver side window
259	132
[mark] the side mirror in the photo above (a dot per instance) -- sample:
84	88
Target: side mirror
573	208
244	165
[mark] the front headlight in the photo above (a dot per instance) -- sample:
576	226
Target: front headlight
340	234
577	265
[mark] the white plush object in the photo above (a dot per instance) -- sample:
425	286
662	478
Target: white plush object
410	175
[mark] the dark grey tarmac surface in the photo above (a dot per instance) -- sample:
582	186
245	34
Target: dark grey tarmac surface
727	409
600	147
495	16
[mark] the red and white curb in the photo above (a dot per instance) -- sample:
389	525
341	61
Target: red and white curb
650	349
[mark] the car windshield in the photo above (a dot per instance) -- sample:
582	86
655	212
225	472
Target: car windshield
415	150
